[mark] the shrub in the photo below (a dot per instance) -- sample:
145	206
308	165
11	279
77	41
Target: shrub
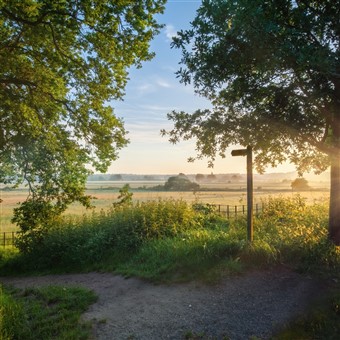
90	239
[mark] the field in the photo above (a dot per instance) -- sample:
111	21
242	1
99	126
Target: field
173	241
106	192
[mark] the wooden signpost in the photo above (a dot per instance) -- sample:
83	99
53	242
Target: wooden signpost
249	153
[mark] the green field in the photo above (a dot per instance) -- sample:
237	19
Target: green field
106	192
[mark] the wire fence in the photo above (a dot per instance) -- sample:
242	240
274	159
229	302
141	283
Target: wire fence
228	211
232	211
7	238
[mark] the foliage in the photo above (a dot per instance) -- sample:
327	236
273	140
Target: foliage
298	232
180	183
267	66
45	313
78	242
300	184
61	63
124	197
271	72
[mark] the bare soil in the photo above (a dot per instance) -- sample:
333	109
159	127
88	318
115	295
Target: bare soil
257	304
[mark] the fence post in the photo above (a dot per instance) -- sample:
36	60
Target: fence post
4	239
228	211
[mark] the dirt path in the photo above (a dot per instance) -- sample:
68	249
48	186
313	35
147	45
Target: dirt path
253	304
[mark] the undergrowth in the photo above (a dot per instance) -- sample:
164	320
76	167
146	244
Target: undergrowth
172	239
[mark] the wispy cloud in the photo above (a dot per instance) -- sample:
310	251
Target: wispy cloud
170	32
163	83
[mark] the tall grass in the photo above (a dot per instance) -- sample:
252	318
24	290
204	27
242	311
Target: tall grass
166	239
45	313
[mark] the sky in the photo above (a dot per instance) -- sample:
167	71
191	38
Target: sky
151	93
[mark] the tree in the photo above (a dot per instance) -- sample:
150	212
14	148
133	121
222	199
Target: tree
116	177
61	64
180	183
271	70
211	177
124	198
199	177
300	184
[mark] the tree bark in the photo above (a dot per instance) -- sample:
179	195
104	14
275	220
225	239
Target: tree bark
334	204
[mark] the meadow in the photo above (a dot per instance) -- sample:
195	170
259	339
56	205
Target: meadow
104	193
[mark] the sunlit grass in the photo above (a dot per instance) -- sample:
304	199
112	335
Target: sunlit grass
161	239
44	313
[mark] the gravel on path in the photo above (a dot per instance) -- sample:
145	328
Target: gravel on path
256	303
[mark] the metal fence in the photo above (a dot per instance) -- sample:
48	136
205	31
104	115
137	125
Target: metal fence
232	211
7	238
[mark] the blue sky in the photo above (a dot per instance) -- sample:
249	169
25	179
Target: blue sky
151	93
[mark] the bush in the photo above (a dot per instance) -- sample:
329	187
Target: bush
91	239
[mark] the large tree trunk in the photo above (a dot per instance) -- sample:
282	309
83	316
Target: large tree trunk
334	205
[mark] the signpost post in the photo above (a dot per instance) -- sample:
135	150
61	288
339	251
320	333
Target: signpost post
249	153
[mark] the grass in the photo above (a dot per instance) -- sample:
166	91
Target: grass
174	241
44	313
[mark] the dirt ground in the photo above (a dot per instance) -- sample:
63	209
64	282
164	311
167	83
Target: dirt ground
239	307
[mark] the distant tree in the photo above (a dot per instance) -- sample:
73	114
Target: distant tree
271	70
199	177
148	178
211	177
116	177
236	177
300	184
180	183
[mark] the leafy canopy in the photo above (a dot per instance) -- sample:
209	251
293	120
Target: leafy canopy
61	64
271	70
